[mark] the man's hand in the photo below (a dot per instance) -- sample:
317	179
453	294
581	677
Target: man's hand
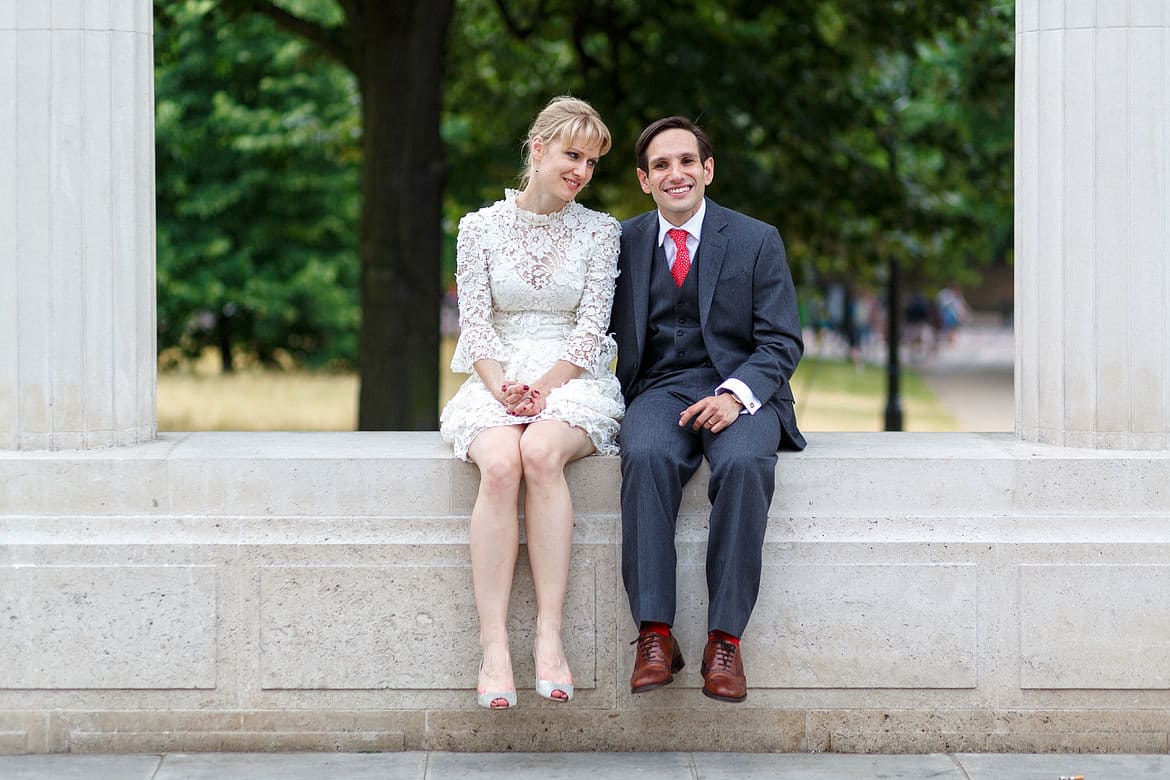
715	412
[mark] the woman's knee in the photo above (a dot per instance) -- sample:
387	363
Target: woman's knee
540	458
501	473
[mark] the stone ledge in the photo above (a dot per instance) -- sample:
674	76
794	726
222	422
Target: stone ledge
278	592
399	474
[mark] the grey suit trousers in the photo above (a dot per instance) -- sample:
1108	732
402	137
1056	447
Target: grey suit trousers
658	458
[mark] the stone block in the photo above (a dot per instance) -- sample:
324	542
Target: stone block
13	743
919	473
1094	626
235	741
171	730
378	627
99	488
921	730
571	730
305	474
22	732
851	626
97	627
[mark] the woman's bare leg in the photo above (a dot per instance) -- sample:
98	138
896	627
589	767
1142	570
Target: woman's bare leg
545	448
495	539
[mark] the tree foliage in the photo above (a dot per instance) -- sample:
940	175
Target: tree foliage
866	130
257	169
394	52
860	128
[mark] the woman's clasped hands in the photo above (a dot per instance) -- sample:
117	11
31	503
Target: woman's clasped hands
522	400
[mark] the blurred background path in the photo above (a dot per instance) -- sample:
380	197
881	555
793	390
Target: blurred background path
973	377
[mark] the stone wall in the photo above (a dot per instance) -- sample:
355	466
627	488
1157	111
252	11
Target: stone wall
922	592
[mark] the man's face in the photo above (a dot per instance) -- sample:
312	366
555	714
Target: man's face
676	179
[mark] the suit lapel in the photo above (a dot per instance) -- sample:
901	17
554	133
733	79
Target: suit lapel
712	251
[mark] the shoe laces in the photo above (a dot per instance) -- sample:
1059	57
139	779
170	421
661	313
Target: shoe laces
651	646
724	656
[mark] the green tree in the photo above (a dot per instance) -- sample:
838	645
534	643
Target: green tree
257	203
797	97
395	51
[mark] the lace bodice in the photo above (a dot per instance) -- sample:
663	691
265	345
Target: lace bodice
524	276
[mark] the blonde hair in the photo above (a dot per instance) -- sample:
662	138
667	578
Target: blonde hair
565	119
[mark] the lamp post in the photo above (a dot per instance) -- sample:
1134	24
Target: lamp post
893	334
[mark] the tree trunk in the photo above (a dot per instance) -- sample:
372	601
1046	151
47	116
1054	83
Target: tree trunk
398	57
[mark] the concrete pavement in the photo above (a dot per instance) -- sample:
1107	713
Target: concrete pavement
597	766
974	377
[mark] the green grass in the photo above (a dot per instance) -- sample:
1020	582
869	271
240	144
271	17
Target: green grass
831	396
834	395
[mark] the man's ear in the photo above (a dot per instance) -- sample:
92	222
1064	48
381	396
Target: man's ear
644	180
708	171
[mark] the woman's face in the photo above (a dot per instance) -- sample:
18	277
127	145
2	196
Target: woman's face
563	169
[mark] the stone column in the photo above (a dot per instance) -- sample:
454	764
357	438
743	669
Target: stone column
77	296
1092	215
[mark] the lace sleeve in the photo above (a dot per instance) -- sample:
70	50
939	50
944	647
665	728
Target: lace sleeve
477	336
589	345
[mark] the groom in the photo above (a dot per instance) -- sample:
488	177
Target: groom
708	336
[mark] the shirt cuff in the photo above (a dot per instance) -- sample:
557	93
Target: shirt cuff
751	404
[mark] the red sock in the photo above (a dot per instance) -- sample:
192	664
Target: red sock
662	629
726	637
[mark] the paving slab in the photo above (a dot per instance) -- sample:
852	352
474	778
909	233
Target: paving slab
67	767
292	766
1090	766
594	766
553	766
825	766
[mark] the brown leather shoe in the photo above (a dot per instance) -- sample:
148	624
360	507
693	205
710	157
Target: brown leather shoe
723	676
657	659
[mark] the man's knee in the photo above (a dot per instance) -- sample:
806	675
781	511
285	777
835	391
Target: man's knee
639	455
744	467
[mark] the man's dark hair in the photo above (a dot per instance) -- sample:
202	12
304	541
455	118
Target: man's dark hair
671	123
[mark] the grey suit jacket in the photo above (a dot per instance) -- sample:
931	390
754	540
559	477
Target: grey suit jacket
747	306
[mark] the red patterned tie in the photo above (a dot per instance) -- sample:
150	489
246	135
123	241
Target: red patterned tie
682	259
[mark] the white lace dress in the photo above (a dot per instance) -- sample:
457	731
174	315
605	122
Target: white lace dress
535	289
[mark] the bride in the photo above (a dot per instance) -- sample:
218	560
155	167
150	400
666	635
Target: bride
535	274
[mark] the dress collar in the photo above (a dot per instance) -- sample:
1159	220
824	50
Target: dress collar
531	217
